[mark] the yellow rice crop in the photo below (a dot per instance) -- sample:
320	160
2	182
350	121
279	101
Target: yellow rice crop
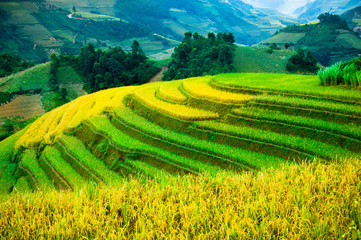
146	95
170	91
71	115
308	201
199	87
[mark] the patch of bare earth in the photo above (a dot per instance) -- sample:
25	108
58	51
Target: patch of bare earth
159	75
23	106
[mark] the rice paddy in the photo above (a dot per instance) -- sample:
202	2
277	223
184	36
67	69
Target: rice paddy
210	130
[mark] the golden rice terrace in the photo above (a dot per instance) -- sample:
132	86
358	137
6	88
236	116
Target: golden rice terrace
232	122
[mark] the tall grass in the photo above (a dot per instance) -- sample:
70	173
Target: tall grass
340	73
308	201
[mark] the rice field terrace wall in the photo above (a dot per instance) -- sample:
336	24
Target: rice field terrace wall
229	122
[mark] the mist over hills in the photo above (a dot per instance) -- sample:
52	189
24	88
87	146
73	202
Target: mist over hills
312	10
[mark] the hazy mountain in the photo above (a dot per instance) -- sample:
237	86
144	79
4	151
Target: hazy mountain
313	9
284	6
176	17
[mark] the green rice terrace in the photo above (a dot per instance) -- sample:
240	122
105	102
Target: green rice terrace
228	122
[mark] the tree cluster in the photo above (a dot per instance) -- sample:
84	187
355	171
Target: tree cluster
334	20
10	63
199	56
114	67
302	61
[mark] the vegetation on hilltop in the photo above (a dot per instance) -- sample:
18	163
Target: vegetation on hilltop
200	56
114	67
329	40
302	61
10	63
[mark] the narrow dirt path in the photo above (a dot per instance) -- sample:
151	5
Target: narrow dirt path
159	75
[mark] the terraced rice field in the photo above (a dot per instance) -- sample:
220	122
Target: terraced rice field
206	124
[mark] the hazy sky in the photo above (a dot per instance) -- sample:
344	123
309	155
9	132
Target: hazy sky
285	6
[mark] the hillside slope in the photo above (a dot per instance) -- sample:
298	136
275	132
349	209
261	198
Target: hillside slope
257	59
232	122
353	18
329	41
34	30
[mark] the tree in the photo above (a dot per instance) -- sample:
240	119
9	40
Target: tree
74	9
211	36
200	56
63	94
302	62
287	45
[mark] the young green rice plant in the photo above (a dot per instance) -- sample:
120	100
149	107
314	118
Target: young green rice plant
148	169
133	145
309	146
78	150
63	168
276	116
326	106
191	143
286	84
22	185
8	179
7	150
30	162
341	135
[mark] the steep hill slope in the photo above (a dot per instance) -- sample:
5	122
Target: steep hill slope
232	122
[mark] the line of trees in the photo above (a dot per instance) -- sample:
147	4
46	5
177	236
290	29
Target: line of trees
114	67
302	61
199	56
10	63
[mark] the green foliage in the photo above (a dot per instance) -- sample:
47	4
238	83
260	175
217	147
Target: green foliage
10	63
302	62
114	67
5	97
341	73
323	39
13	125
334	20
200	56
274	47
